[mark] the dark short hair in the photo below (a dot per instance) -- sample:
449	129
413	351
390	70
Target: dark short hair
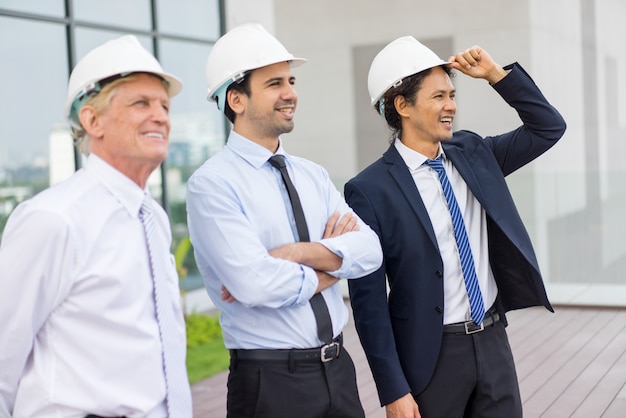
241	86
408	88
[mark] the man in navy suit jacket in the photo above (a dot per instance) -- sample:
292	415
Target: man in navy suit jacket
426	353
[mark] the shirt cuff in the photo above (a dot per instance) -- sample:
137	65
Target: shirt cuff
309	284
342	250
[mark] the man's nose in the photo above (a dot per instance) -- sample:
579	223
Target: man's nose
289	92
450	104
160	112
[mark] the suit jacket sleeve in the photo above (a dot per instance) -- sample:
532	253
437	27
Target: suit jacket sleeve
374	324
542	125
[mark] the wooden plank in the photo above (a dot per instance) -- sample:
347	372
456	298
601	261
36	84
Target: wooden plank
616	409
543	337
603	398
618	406
522	323
583	371
367	388
549	338
209	396
543	382
609	394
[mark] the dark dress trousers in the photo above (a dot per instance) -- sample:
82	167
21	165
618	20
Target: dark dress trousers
402	333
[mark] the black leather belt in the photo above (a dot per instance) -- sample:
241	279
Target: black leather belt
98	416
470	327
322	354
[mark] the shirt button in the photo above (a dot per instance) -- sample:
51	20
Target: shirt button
439	309
439	274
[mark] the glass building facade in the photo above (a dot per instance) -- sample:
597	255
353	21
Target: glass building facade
41	41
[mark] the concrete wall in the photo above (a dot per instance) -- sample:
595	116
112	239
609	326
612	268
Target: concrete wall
328	32
572	199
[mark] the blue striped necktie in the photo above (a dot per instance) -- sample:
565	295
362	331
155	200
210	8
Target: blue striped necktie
177	384
477	306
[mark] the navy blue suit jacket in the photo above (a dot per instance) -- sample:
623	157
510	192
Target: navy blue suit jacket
401	333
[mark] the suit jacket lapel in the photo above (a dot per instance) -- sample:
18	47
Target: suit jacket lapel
464	168
401	175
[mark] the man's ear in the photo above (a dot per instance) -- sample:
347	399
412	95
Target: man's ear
401	105
237	101
90	121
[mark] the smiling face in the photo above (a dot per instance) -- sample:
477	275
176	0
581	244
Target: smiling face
268	111
132	132
428	120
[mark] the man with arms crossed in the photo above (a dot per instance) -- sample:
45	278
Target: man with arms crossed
244	228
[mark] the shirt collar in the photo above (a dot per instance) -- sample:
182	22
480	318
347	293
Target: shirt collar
127	192
413	159
255	154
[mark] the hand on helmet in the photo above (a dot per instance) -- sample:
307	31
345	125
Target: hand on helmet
477	63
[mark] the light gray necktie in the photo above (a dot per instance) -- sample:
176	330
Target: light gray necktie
174	348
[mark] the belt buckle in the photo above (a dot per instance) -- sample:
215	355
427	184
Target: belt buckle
329	352
469	331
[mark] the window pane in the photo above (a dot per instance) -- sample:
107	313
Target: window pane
127	13
32	126
49	7
87	39
197	133
199	18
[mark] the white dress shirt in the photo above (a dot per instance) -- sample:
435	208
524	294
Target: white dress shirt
237	211
456	302
79	332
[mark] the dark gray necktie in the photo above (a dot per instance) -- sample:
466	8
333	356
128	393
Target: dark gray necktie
318	304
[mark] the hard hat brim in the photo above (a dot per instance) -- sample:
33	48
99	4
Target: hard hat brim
175	85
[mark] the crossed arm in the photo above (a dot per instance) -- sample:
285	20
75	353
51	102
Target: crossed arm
314	254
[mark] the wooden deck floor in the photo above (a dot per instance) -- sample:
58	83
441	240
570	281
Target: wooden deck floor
569	364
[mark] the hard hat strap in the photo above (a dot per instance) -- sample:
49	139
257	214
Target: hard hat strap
90	90
381	101
220	94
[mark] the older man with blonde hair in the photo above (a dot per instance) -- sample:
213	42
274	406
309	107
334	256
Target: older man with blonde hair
89	294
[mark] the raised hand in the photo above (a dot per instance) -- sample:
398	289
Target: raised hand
477	63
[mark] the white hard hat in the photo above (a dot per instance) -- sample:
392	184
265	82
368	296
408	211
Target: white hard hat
243	48
401	58
117	57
